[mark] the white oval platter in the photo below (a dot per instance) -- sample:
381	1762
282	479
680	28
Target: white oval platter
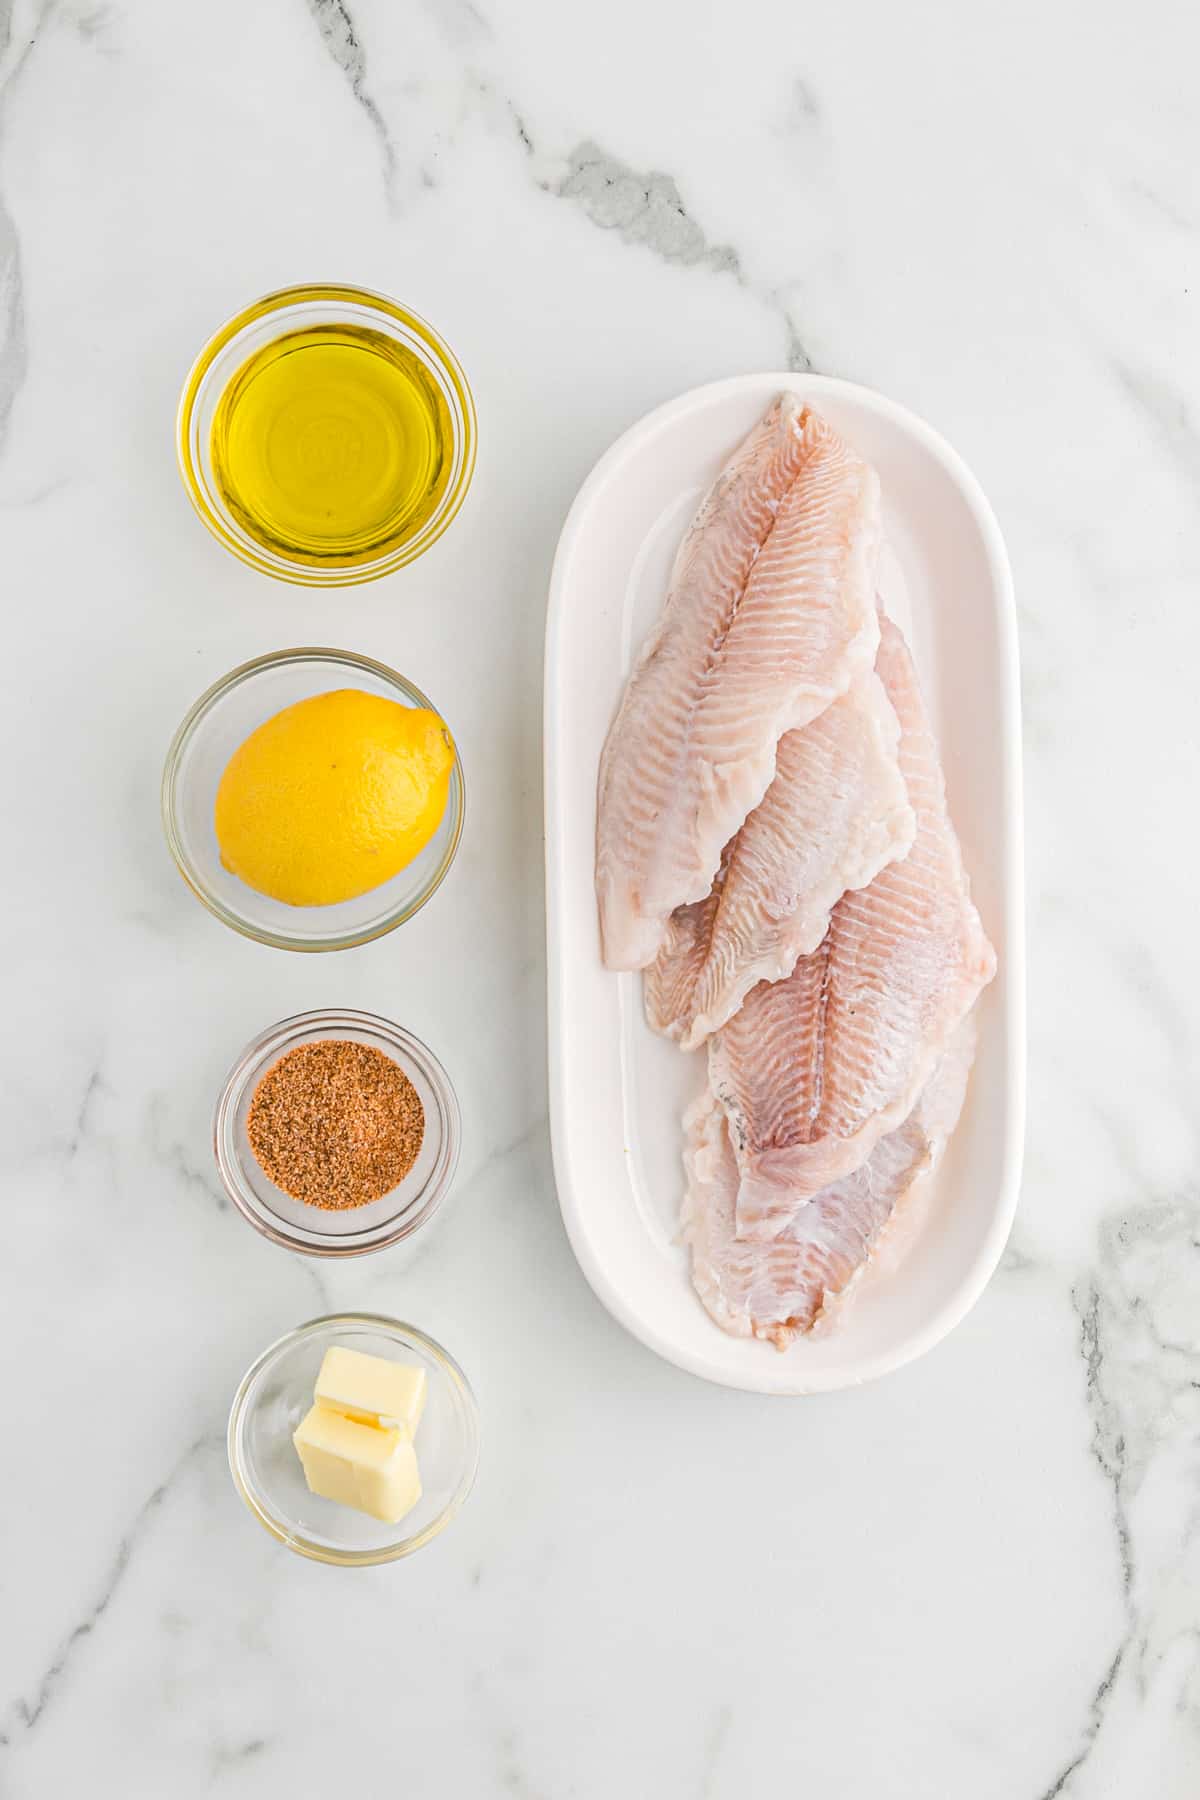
617	1092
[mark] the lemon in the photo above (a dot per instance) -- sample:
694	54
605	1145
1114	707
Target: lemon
333	796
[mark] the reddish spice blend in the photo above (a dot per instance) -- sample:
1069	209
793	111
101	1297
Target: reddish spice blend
336	1124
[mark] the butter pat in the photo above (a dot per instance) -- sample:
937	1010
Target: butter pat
356	1443
371	1389
364	1466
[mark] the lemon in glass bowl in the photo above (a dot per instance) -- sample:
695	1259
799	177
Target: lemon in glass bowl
333	796
403	770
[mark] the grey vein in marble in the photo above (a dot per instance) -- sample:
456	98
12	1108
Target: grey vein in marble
512	1146
13	358
805	109
1164	409
173	1156
337	31
1161	999
714	1744
1108	1447
92	1087
312	1274
1143	1391
232	1756
510	1769
502	114
648	209
23	1714
1177	216
1016	1261
520	129
1092	1730
91	25
460	21
71	1134
13	354
643	209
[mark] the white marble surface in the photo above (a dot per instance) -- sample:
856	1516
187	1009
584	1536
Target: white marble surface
980	1577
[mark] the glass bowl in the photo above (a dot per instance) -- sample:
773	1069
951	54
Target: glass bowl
296	309
214	728
357	1229
276	1393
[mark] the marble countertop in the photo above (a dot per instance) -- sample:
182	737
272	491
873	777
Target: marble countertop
978	1577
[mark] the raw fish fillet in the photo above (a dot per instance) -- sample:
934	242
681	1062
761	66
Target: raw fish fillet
836	813
814	1070
779	1289
769	618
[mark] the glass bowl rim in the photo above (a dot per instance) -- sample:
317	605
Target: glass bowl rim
304	1546
256	1056
317	293
189	725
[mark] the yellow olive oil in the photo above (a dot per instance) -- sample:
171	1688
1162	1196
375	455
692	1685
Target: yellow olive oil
332	445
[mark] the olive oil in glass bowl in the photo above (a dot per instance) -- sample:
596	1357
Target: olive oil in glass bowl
326	435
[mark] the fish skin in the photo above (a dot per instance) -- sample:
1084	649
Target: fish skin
836	813
803	1279
769	618
815	1070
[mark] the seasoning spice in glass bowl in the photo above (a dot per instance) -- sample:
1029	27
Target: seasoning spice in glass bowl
337	1133
335	1123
